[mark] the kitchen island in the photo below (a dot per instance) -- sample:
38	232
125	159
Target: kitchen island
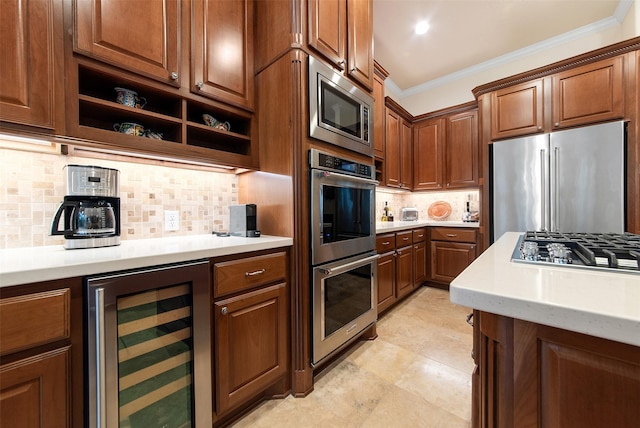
554	346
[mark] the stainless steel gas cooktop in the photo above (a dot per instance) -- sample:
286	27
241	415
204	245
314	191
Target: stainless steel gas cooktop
604	251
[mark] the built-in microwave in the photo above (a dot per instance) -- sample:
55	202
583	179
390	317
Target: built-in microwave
340	113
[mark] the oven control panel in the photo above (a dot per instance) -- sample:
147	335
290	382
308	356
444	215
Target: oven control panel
320	160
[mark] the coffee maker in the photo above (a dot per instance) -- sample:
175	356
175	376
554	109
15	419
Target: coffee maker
243	220
91	209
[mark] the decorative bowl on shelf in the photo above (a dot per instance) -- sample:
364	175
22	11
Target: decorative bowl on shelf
215	123
439	210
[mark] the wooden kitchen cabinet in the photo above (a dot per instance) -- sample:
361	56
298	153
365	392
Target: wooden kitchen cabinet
38	347
534	375
451	251
32	84
139	36
588	94
222	57
378	111
404	263
446	151
385	247
517	110
419	257
342	32
251	328
398	162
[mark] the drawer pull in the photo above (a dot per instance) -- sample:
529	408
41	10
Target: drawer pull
452	235
386	243
224	310
405	239
254	273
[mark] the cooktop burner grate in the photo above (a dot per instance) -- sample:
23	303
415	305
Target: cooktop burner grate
587	250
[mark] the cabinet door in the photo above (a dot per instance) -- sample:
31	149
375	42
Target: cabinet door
592	93
462	150
250	344
406	154
360	42
327	29
222	59
386	281
142	36
449	259
404	273
392	149
31	65
419	264
34	392
517	110
428	145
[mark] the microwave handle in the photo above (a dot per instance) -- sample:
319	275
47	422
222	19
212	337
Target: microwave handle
348	266
348	177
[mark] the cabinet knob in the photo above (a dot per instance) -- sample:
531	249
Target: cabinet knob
540	127
199	85
353	70
557	124
224	310
174	75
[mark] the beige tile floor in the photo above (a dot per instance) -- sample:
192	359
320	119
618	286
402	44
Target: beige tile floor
417	373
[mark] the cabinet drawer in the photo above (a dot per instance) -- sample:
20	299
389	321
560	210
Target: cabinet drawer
237	275
34	319
453	234
404	238
419	235
385	243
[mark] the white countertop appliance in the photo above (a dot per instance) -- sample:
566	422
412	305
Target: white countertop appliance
409	214
90	211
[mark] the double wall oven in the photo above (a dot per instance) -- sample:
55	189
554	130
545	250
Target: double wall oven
343	256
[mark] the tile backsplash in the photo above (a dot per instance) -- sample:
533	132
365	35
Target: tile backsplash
32	185
421	201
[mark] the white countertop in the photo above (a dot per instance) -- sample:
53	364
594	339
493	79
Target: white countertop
599	303
392	226
34	264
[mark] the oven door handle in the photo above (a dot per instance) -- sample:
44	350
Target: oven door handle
347	177
347	266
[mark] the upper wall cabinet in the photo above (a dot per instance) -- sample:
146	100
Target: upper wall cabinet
222	58
445	152
31	63
590	93
143	37
398	151
517	110
342	31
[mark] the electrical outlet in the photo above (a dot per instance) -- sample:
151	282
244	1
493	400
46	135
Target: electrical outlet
171	220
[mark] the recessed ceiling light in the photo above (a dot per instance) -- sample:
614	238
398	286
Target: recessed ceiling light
422	27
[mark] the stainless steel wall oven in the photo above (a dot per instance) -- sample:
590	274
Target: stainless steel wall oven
148	348
344	261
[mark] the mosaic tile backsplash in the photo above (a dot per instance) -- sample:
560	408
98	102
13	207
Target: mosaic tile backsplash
32	185
421	201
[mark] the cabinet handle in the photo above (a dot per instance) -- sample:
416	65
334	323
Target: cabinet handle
386	243
353	70
224	310
254	273
452	235
405	239
199	85
174	75
540	127
557	124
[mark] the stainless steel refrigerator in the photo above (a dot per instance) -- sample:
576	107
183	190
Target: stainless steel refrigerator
566	181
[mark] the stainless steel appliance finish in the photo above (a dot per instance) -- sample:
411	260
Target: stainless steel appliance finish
569	181
343	258
613	252
342	207
339	112
345	302
91	209
148	347
409	214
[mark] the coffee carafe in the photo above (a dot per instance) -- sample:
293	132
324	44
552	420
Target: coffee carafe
90	212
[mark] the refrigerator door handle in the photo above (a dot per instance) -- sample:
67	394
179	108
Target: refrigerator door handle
543	184
555	227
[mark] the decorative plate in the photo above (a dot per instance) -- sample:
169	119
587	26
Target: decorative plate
439	210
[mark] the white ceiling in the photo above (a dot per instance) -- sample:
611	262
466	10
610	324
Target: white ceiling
464	33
